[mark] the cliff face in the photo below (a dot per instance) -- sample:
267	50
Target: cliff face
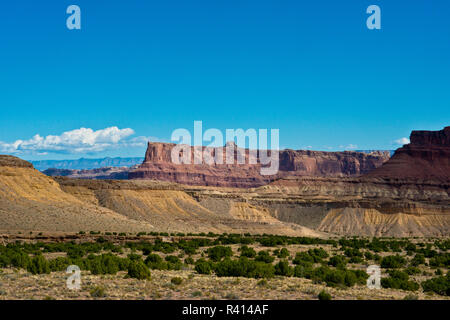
425	158
157	165
301	206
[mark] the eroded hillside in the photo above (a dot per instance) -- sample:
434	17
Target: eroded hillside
396	199
29	200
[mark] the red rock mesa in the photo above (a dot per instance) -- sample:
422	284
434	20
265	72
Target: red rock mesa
157	165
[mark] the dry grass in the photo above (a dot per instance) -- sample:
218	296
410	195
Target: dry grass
18	284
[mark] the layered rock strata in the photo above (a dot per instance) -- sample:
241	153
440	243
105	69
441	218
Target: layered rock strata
158	165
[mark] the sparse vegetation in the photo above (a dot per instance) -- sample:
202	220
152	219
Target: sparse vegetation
323	295
176	281
408	265
138	270
98	292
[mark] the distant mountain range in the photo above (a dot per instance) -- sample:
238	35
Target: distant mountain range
86	164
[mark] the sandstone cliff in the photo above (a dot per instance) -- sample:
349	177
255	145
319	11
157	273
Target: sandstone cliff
158	165
408	196
32	201
425	158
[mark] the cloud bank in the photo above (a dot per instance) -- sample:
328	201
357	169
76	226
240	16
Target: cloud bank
83	140
402	141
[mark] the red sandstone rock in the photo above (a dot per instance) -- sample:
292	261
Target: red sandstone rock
158	166
426	157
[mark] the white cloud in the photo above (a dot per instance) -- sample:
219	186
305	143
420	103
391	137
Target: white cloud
402	141
351	147
83	140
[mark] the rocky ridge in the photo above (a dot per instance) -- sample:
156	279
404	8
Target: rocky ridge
389	201
425	158
158	165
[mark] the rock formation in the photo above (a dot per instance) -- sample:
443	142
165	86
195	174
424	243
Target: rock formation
425	158
408	196
157	165
32	201
29	200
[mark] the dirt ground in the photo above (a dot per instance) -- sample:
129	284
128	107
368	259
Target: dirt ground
19	284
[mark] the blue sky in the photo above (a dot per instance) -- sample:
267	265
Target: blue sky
312	69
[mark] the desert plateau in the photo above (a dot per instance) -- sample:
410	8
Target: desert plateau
175	231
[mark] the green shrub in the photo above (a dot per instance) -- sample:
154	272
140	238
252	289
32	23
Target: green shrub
19	260
59	264
203	267
154	261
303	257
323	295
418	260
244	268
438	272
189	260
262	283
217	253
338	277
356	260
411	296
369	255
441	260
264	256
138	270
338	261
281	253
399	280
334	277
303	271
173	263
353	253
247	252
176	281
394	262
75	252
196	294
282	268
134	257
318	254
98	292
412	270
439	285
105	264
38	265
315	255
172	259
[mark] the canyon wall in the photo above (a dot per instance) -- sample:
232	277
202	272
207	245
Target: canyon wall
425	158
408	196
158	165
